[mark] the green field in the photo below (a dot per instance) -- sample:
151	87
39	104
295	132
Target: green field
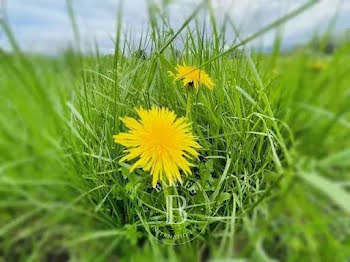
273	167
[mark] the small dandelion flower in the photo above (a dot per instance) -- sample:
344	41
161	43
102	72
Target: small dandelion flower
162	144
192	76
318	66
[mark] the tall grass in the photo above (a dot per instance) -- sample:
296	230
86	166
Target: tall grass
274	131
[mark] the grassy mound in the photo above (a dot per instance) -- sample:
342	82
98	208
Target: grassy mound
274	163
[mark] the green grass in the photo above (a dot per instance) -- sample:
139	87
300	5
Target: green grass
274	131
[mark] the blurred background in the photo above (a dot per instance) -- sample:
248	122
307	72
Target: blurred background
44	26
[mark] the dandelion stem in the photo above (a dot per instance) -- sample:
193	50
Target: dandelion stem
188	106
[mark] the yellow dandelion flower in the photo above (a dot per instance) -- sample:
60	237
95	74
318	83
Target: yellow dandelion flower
318	66
162	143
192	76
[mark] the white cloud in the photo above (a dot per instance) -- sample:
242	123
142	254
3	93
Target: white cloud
44	25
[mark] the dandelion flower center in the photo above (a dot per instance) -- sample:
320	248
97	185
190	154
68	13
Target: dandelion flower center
161	143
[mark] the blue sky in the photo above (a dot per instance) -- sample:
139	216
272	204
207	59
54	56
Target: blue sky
43	26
